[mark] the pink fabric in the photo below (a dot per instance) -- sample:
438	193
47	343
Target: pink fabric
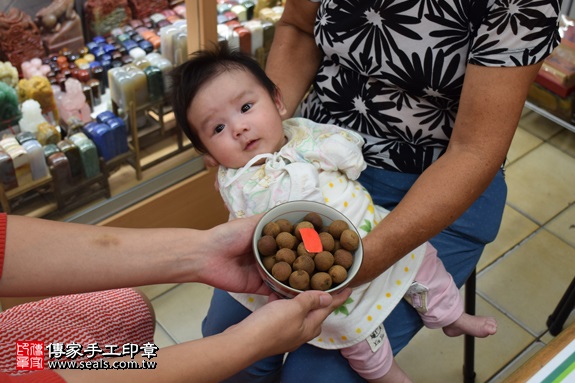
444	305
369	364
113	317
2	240
45	376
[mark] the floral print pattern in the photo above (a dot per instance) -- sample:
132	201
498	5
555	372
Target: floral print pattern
393	69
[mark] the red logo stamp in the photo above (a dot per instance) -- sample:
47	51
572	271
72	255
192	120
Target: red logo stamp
29	355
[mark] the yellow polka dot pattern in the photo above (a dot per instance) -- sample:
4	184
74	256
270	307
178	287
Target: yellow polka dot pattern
378	307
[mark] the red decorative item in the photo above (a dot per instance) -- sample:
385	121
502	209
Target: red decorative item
311	240
21	40
60	26
146	8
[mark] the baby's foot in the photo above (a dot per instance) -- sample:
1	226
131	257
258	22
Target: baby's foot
477	326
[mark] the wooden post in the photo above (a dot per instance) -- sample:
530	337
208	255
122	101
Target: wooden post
201	18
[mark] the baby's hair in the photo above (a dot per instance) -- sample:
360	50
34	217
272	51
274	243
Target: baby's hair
203	65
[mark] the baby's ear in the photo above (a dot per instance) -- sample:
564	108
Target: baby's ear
210	161
278	100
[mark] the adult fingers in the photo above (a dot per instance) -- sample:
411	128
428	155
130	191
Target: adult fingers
320	304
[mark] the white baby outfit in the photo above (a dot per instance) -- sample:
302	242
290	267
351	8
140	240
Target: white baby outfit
322	163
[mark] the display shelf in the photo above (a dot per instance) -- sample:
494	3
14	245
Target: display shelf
7	196
155	112
81	192
559	121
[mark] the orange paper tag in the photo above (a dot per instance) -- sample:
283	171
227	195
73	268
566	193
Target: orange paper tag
311	240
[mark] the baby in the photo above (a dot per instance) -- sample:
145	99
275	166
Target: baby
232	111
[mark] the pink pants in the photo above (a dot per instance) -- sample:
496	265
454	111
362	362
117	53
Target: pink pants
443	304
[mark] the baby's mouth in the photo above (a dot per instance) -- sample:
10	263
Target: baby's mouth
251	144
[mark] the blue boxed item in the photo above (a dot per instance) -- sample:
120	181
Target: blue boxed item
129	44
103	137
105	116
146	46
99	40
120	134
92	46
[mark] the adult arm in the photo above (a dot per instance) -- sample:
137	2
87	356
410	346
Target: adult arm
277	327
490	108
294	57
45	257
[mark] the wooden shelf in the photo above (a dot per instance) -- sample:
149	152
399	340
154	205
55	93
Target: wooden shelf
7	196
70	197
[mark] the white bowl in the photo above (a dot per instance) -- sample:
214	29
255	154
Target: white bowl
294	212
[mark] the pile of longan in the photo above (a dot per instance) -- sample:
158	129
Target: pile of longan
284	255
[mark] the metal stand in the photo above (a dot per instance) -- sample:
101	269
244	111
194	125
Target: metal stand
566	305
469	341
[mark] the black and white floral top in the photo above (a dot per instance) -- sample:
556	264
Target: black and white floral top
393	69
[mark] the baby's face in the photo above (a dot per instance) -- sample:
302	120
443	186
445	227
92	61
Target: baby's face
236	118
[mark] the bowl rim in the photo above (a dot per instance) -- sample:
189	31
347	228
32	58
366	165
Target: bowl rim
305	207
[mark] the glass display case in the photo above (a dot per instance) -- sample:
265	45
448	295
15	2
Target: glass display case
159	159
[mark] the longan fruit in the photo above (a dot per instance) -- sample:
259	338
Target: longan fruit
285	225
327	241
269	262
271	228
343	258
337	227
323	261
267	245
349	240
297	242
281	271
285	255
285	239
305	263
321	281
336	245
291	264
302	251
338	273
315	220
301	225
300	280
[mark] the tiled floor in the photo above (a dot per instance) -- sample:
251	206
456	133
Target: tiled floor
521	276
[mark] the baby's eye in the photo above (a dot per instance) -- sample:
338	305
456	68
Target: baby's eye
246	107
219	128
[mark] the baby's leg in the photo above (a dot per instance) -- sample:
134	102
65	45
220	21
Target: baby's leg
375	366
436	297
394	375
